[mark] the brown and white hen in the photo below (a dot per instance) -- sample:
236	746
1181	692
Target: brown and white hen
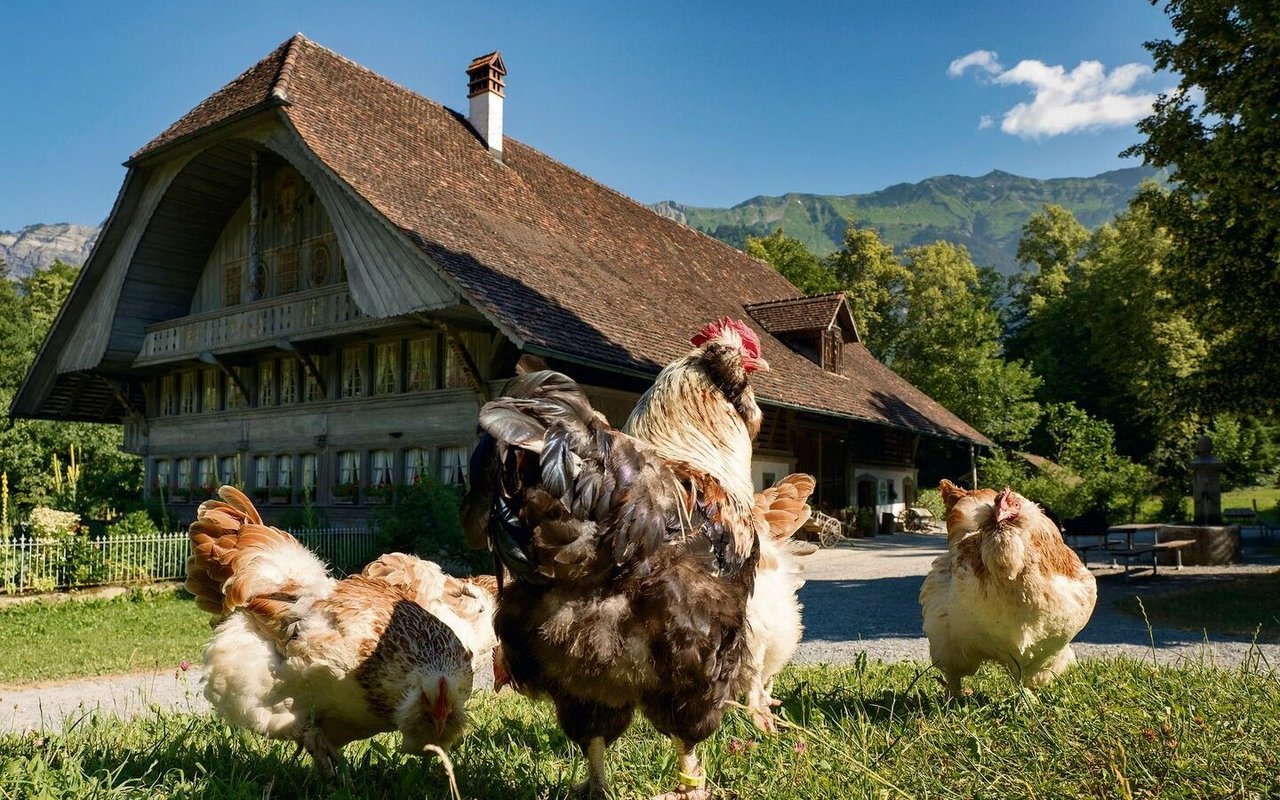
300	656
1008	590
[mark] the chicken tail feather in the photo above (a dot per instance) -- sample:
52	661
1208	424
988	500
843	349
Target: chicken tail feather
237	560
785	507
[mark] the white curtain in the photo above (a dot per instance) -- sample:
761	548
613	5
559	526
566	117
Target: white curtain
415	465
453	465
381	468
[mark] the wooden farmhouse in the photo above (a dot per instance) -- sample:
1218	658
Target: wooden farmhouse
313	280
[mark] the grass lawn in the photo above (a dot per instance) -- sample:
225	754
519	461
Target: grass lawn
1268	498
47	641
1109	728
1240	606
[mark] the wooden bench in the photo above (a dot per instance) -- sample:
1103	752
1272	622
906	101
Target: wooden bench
1082	550
1154	550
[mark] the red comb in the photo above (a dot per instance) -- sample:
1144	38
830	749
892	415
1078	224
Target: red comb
750	342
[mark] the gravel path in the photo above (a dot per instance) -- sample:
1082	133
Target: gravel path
863	596
860	597
126	696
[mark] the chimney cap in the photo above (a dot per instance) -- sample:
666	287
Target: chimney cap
485	74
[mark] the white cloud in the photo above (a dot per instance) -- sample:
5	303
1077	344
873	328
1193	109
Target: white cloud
1085	98
985	121
986	60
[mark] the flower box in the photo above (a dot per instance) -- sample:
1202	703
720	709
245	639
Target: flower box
281	496
346	493
258	494
180	494
379	495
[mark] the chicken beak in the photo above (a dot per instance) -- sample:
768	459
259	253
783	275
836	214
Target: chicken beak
1007	506
500	675
440	711
759	365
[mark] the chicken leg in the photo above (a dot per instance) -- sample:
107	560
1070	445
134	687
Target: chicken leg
597	783
692	779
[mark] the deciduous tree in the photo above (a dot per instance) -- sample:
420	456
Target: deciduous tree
1219	133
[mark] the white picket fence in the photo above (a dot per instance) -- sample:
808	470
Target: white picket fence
28	564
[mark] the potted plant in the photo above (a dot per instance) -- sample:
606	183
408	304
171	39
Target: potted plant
379	493
281	495
258	494
180	494
346	493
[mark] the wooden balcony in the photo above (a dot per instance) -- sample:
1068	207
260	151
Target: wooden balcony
311	314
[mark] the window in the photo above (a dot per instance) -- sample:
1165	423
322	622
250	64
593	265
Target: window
287	270
380	472
320	264
832	350
288	381
353	370
386	378
267	383
882	492
415	465
314	392
168	397
204	473
235	397
162	473
261	473
309	474
231	284
184	474
453	466
284	472
229	470
421	353
187	393
210	382
348	467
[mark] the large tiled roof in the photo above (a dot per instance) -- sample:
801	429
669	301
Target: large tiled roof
561	262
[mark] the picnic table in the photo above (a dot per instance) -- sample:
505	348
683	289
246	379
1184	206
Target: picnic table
1119	542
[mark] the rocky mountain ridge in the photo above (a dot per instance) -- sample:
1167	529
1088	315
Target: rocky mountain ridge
37	246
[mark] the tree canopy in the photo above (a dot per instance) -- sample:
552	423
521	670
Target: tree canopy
1219	134
108	478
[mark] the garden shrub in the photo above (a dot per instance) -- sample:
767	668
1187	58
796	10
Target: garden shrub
423	519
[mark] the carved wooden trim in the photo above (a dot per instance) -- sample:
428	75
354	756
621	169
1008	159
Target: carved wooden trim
469	367
210	358
122	397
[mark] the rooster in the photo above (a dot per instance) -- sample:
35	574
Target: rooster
773	613
1008	590
300	656
630	572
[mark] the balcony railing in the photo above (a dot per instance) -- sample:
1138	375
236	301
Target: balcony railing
304	315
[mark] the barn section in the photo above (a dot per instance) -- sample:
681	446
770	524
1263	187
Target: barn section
312	281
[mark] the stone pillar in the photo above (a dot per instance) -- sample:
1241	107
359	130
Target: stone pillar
1206	484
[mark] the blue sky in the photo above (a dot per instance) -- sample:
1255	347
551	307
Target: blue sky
704	103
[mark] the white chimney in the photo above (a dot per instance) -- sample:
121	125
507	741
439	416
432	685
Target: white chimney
485	83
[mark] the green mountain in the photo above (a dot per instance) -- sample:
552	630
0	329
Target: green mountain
986	214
